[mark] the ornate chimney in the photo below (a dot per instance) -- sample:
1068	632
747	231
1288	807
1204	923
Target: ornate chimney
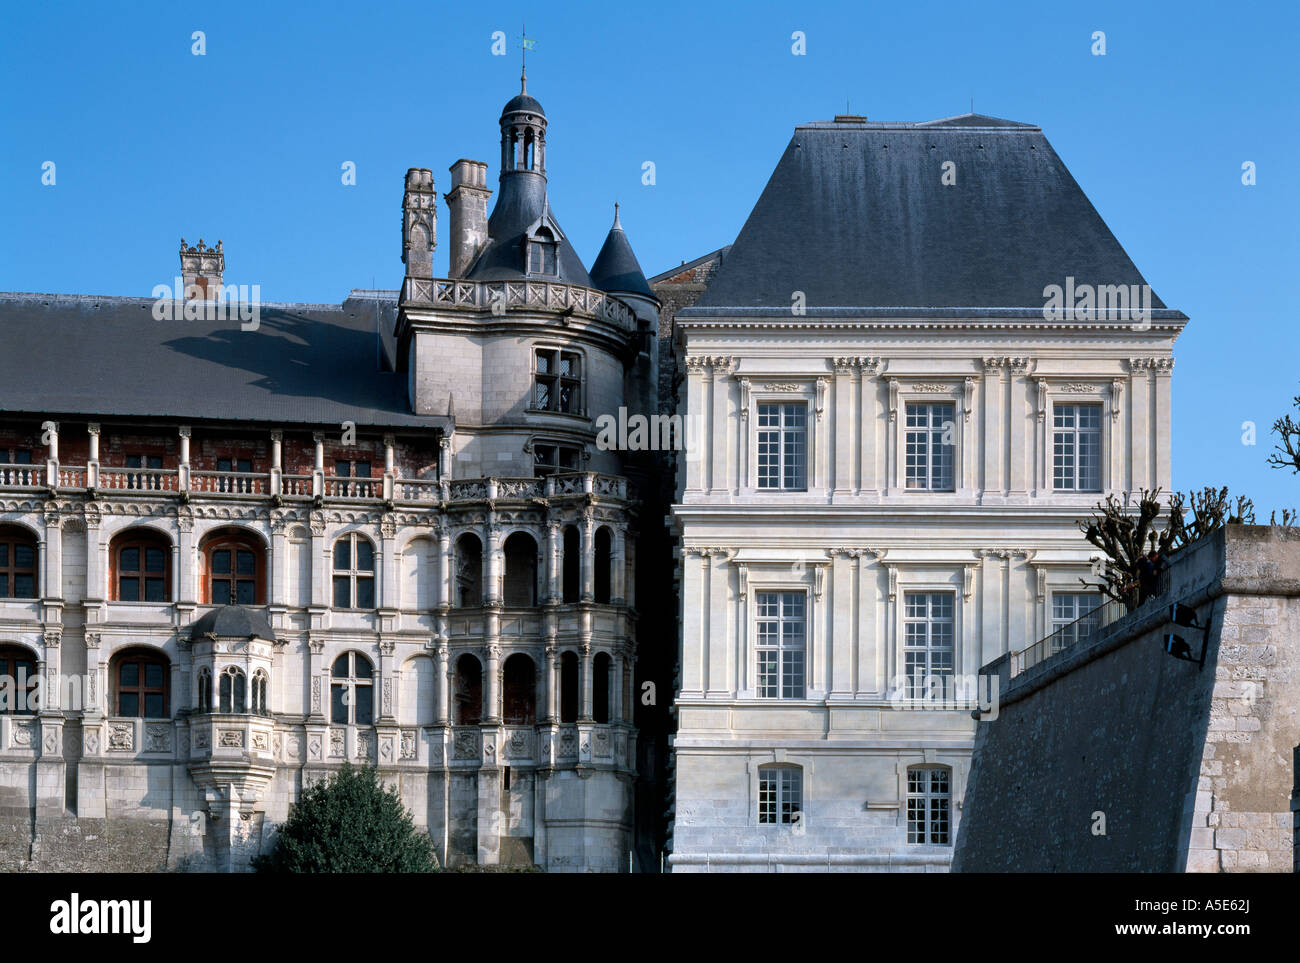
202	269
468	202
419	223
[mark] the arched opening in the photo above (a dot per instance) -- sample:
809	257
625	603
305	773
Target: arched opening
17	563
520	691
233	568
352	690
419	575
569	687
572	565
261	703
204	688
469	691
140	559
232	695
521	570
528	149
604	564
600	668
469	571
18	677
140	681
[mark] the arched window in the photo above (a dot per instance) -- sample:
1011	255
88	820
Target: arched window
354	572
233	695
600	668
528	150
469	571
521	570
469	691
17	563
142	570
352	690
929	792
568	687
520	675
141	679
261	682
572	565
17	681
780	793
205	690
233	562
604	564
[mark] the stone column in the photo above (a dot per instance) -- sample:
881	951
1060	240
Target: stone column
492	685
492	564
51	549
585	714
388	677
183	479
553	567
277	558
841	641
551	708
697	467
694	621
390	474
442	668
991	483
616	686
388	595
92	462
446	587
1162	373
277	462
618	566
587	548
318	466
323	564
843	415
1018	424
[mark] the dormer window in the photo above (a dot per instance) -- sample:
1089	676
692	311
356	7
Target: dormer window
541	253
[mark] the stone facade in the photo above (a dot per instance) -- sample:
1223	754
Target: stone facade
1113	756
443	597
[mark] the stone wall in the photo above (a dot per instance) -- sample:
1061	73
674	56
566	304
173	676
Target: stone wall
1113	756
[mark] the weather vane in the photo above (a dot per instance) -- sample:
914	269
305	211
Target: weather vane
525	46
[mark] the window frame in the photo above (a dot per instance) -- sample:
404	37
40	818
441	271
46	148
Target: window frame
350	684
543	249
924	802
908	648
928	432
13	537
785	782
234	541
782	431
142	659
558	381
10	658
143	540
1075	431
354	573
1055	623
542	469
780	647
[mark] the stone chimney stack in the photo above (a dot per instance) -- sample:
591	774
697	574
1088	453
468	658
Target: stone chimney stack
419	223
468	201
201	270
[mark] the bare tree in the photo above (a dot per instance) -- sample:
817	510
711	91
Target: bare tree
1287	450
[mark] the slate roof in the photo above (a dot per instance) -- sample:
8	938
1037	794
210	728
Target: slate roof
855	216
315	364
233	621
616	268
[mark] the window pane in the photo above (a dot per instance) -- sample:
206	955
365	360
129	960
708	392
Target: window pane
365	556
130	674
221	562
220	592
22	458
342	469
153	560
153	675
362	469
338	704
245	594
129	704
365	705
24	556
365	593
363	668
133	461
4	554
342	592
129	560
128	590
24	586
245	562
155	590
340	668
343	554
155	461
244	464
223	464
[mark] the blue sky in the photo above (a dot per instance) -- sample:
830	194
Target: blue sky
245	143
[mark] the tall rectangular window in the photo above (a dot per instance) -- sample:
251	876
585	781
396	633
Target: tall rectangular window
928	646
780	793
783	446
1076	448
929	441
557	382
1075	616
928	796
780	633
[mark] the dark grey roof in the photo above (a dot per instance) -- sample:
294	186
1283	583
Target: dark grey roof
720	254
233	621
856	215
521	207
616	267
523	102
315	364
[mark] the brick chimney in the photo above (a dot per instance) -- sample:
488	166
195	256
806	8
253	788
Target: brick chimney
202	269
468	200
419	223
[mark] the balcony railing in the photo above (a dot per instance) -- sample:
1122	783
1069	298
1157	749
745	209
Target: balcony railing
520	295
1067	636
74	478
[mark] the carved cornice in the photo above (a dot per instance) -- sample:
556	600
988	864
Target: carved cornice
1010	364
876	553
1006	553
851	364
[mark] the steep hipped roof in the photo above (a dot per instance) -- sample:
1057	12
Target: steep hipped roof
616	267
856	214
304	364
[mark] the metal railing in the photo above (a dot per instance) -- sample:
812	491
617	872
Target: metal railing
1067	636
